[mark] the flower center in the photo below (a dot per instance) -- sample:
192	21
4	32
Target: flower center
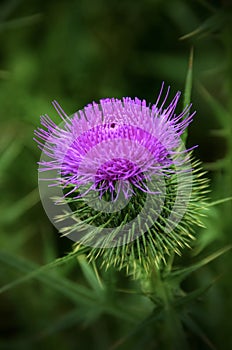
116	169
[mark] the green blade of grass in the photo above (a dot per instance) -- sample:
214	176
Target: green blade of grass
188	89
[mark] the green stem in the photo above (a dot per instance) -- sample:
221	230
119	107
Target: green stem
172	335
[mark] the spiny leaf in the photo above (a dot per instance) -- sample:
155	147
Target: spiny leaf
186	299
74	291
181	274
31	269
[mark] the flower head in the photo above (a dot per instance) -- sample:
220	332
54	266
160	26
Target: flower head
126	176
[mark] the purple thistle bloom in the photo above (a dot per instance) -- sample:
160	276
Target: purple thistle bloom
123	149
119	142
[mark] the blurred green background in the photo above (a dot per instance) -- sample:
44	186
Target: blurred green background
77	52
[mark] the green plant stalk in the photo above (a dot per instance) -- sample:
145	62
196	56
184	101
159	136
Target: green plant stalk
164	290
173	333
161	292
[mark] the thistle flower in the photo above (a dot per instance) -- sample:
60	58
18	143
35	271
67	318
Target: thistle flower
123	181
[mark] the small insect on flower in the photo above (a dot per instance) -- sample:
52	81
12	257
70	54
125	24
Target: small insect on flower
120	181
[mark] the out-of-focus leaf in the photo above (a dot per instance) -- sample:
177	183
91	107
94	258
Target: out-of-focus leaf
191	324
69	319
4	74
217	165
20	207
156	315
8	155
222	115
7	8
19	22
213	23
19	240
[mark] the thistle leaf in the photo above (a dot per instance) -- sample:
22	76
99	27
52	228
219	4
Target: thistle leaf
190	323
181	274
189	297
41	273
91	274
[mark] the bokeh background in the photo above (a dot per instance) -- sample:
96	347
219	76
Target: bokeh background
77	52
